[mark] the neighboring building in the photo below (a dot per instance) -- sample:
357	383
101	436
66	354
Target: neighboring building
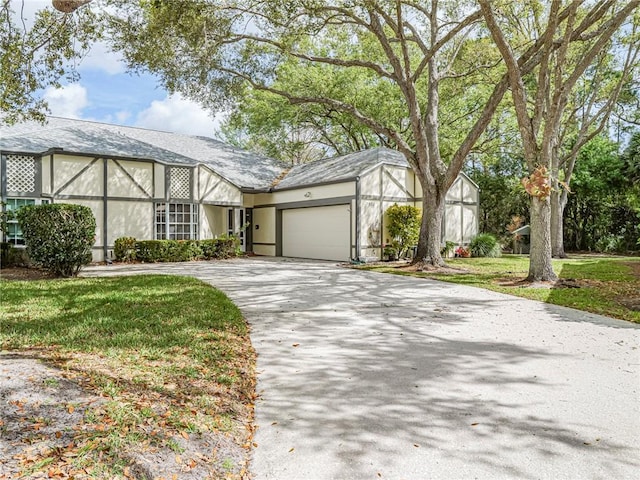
157	185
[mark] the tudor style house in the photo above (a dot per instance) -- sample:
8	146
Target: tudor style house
158	185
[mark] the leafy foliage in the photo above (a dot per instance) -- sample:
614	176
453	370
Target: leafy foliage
151	251
603	213
485	245
404	226
58	236
38	56
124	249
537	184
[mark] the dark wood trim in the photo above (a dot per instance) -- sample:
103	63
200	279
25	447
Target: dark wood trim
278	233
105	201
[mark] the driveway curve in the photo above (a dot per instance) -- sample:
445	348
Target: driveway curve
363	375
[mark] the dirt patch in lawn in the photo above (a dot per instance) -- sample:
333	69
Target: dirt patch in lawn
23	273
55	424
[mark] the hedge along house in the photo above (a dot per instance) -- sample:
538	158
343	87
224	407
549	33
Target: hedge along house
158	185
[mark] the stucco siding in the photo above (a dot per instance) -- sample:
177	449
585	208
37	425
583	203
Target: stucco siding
266	250
130	179
213	221
159	181
401	187
46	175
264	227
129	219
307	194
215	189
70	179
370	183
370	230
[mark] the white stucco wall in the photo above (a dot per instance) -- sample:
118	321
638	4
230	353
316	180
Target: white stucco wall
89	182
265	219
306	194
215	189
124	175
129	219
46	174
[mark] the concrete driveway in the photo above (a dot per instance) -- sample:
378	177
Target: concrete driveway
366	376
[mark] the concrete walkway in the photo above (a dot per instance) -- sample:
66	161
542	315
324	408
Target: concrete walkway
366	376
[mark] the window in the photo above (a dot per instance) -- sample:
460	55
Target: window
176	221
13	234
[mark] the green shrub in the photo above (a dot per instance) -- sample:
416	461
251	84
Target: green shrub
181	250
124	249
58	236
485	245
610	244
151	251
447	250
5	248
404	226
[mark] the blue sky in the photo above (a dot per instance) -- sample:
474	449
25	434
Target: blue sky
107	93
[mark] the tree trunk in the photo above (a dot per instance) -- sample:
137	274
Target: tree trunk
540	267
558	204
429	243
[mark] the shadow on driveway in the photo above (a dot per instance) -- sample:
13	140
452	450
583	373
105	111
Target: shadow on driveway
366	375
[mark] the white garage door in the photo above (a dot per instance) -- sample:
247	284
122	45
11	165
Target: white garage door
317	232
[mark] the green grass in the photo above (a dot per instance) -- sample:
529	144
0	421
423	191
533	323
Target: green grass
167	342
606	283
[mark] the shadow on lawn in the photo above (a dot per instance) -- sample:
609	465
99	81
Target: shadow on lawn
419	375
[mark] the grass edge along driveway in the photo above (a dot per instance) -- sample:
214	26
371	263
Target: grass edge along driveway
598	284
169	358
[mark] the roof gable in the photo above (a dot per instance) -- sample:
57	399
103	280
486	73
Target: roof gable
340	169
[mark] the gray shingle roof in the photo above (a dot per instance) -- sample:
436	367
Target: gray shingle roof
341	168
243	169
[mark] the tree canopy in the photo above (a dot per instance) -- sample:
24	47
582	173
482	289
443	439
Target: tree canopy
37	53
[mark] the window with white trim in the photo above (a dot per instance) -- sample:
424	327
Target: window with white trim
13	235
176	221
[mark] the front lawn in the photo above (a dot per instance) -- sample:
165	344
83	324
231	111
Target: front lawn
170	357
605	285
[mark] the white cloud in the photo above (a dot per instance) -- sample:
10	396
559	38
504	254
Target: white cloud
102	59
179	115
67	101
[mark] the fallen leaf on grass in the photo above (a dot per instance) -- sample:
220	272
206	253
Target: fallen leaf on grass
70	408
184	435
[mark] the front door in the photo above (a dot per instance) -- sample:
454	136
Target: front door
236	225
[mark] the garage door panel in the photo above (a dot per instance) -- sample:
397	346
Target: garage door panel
317	232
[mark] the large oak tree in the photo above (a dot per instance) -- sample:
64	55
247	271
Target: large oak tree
214	51
573	35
